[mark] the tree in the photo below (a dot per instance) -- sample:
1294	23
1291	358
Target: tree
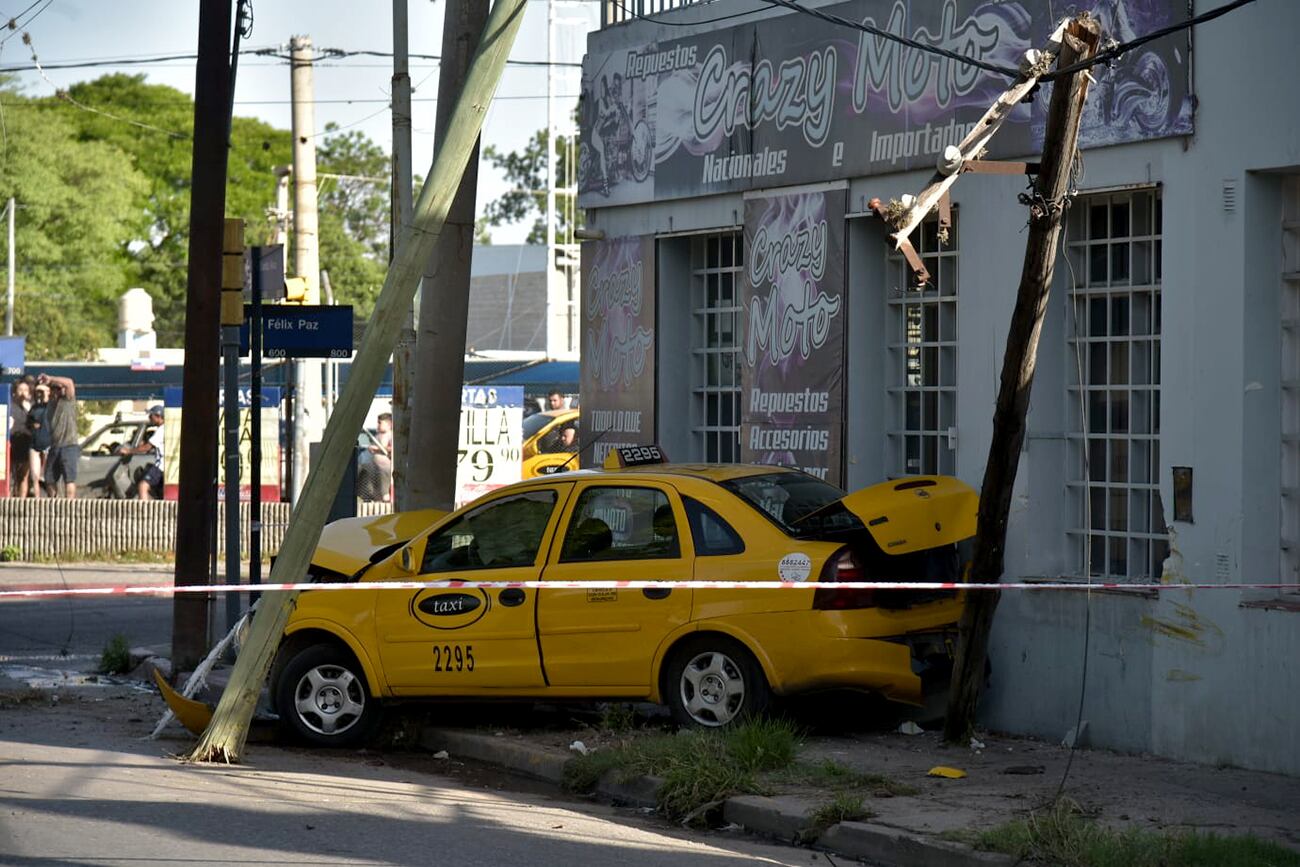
525	171
78	208
140	136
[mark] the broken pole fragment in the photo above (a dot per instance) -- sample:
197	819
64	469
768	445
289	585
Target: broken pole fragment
225	738
1060	144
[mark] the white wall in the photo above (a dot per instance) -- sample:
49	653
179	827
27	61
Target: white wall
1208	675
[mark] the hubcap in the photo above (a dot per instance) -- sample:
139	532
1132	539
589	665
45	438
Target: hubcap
329	699
712	689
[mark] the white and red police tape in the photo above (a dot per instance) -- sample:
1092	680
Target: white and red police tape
168	590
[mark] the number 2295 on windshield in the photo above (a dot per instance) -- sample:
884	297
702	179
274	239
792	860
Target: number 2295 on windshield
453	657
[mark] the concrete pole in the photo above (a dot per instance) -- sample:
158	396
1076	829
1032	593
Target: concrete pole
444	300
9	307
404	351
309	415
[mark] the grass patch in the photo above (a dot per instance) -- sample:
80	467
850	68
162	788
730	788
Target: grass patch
616	717
21	697
699	768
1063	835
844	807
116	656
830	774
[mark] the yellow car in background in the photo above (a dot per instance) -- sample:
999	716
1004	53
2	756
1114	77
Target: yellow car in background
712	655
550	442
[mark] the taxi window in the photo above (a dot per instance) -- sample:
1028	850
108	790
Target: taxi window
610	523
712	534
499	535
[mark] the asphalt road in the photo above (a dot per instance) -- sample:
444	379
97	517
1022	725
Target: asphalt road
70	633
81	788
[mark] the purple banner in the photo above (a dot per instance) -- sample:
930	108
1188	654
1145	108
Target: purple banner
618	346
793	323
792	99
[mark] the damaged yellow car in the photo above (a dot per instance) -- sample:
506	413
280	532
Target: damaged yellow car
712	655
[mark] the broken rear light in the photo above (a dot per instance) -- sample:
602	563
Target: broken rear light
840	568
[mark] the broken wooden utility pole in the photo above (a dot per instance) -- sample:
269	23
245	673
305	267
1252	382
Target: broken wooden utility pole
399	216
444	300
1049	199
195	527
225	737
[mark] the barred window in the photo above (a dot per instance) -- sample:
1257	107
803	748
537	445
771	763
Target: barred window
922	348
717	266
1114	248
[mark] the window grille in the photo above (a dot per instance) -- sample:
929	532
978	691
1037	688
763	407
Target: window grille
1114	248
922	349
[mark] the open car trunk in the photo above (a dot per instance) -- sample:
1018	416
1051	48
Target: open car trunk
904	530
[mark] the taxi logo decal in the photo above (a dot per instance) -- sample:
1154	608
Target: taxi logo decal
440	609
794	567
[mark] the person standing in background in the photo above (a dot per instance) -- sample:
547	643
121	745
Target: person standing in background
65	445
20	438
38	422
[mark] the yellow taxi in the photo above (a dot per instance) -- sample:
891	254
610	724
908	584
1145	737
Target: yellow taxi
712	655
550	442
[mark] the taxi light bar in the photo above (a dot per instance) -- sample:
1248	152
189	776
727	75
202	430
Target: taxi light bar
634	456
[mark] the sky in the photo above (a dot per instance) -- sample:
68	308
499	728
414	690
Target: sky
77	30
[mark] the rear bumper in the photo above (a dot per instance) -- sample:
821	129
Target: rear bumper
896	654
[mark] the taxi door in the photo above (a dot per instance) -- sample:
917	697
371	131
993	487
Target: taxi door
446	641
630	530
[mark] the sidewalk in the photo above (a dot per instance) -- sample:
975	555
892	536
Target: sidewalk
1006	780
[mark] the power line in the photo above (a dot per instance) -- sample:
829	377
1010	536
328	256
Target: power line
16	26
324	54
41	103
1106	56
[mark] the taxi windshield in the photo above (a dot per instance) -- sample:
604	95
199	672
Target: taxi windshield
535	423
788	499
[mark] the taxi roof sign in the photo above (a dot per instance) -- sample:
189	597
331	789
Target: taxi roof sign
634	456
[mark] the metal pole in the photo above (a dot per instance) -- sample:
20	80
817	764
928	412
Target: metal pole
230	341
255	427
404	352
9	308
308	414
550	154
194	529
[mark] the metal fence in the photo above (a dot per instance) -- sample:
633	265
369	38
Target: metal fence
618	11
54	528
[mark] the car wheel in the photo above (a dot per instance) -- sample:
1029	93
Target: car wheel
714	681
321	696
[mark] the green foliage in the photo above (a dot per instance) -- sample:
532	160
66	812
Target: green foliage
831	775
10	553
104	205
116	656
699	769
1063	835
844	807
525	172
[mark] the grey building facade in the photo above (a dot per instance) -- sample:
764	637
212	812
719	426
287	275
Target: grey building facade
1171	348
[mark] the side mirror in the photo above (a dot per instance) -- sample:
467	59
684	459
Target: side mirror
406	560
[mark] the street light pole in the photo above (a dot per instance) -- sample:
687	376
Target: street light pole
9	307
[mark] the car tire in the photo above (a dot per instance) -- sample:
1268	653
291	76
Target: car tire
322	697
713	681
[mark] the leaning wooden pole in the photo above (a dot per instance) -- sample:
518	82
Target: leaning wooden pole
1046	214
225	737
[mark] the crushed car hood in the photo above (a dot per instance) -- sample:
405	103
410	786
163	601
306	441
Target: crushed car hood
351	544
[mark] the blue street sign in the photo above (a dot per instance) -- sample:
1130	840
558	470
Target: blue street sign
13	355
303	331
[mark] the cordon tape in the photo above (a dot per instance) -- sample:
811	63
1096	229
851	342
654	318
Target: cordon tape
169	590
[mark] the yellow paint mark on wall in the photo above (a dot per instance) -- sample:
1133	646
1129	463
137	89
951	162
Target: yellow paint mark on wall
1177	675
1186	625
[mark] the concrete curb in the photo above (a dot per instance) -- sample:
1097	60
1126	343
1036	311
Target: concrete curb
782	818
